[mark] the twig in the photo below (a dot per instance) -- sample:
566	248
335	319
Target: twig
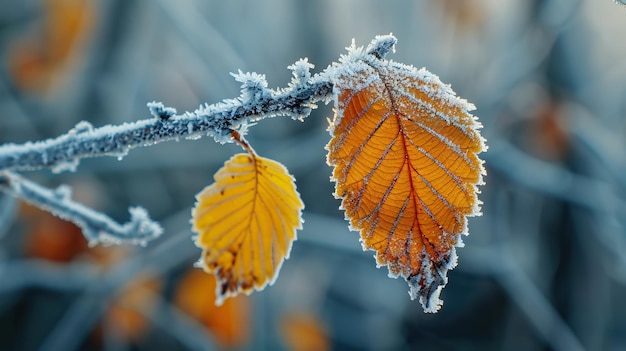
96	227
257	101
220	120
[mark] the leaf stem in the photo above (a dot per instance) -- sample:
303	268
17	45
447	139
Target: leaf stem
243	143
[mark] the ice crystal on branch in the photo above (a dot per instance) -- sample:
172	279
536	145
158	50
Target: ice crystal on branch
158	110
381	45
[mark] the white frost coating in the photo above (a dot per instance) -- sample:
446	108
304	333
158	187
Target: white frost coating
381	45
158	110
81	127
63	192
139	230
454	259
67	166
193	137
253	86
301	71
426	286
301	80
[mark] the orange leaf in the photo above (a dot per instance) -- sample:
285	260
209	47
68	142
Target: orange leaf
51	238
302	331
246	223
404	150
124	313
38	62
229	323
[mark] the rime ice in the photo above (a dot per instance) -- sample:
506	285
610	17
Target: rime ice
158	110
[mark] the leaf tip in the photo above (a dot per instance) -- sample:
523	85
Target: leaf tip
426	288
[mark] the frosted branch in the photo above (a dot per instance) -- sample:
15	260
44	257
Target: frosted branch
218	120
96	226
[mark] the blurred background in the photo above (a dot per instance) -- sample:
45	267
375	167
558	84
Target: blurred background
543	269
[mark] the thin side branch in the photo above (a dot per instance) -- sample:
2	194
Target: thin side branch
96	227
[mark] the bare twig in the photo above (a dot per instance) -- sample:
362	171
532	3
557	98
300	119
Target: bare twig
96	226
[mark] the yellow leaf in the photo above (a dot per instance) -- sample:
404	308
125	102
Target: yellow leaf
246	222
404	150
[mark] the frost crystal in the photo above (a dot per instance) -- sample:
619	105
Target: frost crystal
158	110
253	87
381	45
63	192
66	166
301	73
81	127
